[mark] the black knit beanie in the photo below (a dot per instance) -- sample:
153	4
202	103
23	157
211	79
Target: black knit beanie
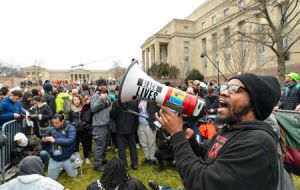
101	82
264	93
31	165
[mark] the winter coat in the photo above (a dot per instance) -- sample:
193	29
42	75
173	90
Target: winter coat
59	101
292	99
240	157
44	115
50	100
7	110
101	109
152	108
132	184
64	138
126	123
32	182
81	119
212	102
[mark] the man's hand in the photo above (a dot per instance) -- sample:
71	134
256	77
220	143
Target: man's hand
189	133
48	139
44	139
16	115
103	95
276	108
297	108
34	116
172	123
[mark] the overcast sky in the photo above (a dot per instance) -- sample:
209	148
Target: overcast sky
62	33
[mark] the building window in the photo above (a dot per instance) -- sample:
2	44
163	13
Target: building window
186	47
241	5
227	37
214	48
226	13
203	25
204	60
262	51
185	29
214	20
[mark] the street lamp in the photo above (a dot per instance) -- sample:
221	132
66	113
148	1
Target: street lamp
204	54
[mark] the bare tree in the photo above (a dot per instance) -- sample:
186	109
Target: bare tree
7	70
277	27
117	70
238	57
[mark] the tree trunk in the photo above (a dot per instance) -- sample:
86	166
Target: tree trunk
281	69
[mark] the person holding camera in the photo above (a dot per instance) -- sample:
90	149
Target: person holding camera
100	106
80	118
61	141
41	115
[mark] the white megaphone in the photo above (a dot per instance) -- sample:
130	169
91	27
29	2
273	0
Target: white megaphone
137	85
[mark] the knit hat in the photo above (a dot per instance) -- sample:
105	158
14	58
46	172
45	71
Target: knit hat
31	165
264	92
48	87
293	76
101	82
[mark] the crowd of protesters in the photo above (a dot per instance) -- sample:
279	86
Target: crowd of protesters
63	117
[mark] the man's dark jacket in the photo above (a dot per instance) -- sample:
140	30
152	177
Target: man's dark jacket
65	138
240	157
50	99
292	99
126	123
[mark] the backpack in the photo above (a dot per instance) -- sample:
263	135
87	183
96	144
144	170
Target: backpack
67	105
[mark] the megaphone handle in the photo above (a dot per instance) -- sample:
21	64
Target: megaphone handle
157	125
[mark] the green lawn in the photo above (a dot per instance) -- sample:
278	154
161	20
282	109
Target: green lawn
144	173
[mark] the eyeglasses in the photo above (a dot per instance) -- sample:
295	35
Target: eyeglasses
232	89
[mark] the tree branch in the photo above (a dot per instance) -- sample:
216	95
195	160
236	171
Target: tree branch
289	47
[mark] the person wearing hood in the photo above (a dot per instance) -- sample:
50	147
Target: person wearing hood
31	177
48	96
10	107
41	115
243	154
26	100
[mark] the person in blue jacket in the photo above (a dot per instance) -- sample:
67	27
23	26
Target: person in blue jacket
10	107
60	139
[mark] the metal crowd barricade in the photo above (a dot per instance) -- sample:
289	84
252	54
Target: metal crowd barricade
9	129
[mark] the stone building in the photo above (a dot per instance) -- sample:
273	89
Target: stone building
36	73
209	29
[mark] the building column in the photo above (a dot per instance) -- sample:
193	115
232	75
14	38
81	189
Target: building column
157	53
152	52
147	59
143	60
